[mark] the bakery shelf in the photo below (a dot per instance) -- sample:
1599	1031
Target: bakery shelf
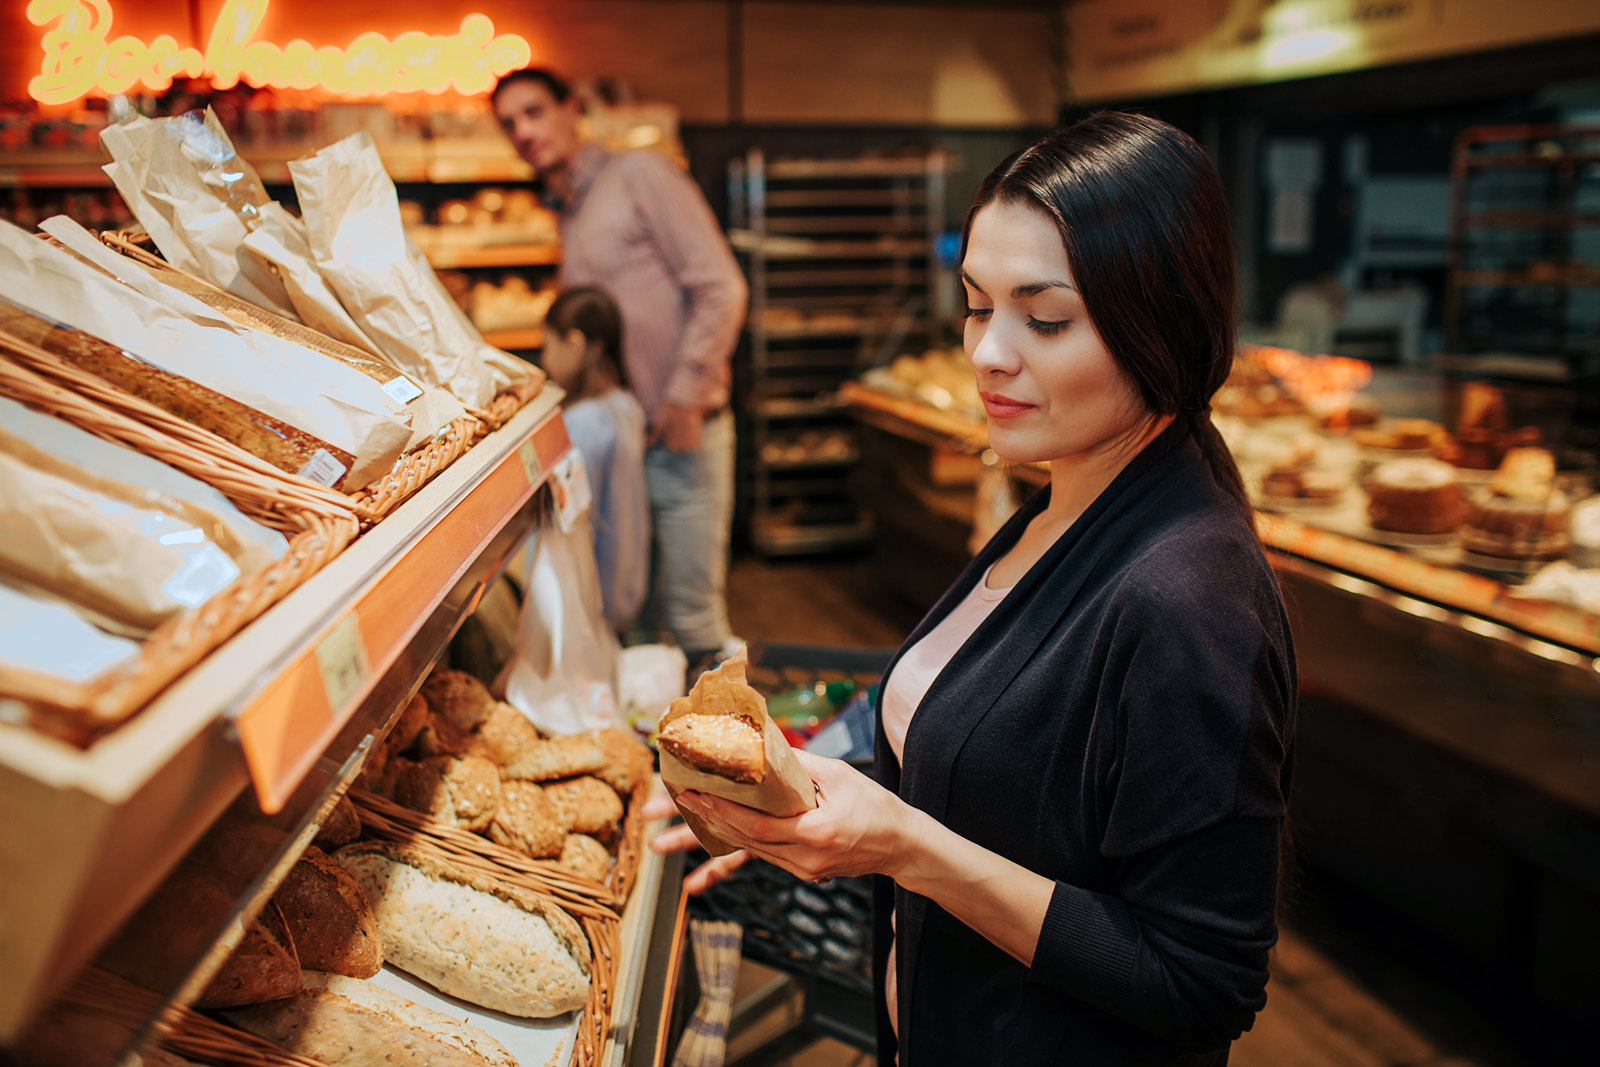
90	833
803	408
778	538
519	255
800	224
911	167
846	459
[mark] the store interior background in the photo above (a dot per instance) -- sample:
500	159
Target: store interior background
1478	950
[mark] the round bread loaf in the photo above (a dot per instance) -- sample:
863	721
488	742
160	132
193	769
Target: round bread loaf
585	857
329	918
587	805
462	792
527	821
459	697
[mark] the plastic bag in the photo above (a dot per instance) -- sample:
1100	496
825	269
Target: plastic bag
563	675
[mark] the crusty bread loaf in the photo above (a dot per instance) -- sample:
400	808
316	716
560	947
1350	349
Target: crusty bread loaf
587	805
410	723
459	697
585	857
472	937
556	757
342	826
263	967
345	1022
440	736
628	760
329	918
527	821
462	792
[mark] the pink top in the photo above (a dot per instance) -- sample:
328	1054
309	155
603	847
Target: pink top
910	681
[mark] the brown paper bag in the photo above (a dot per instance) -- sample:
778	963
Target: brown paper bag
784	789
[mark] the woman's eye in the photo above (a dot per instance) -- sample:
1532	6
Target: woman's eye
1046	328
978	313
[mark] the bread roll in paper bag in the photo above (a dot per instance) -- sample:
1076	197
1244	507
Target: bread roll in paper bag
720	740
177	341
196	199
352	218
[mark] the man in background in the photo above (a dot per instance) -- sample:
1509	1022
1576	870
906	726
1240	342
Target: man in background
635	225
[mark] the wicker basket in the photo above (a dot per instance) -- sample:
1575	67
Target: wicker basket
413	470
317	522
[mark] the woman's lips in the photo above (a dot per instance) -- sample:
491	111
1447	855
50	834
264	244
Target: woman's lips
1003	407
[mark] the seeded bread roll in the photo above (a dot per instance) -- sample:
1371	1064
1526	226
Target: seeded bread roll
527	821
345	1022
471	936
587	805
459	697
440	736
585	857
556	757
628	760
724	745
329	918
506	736
458	792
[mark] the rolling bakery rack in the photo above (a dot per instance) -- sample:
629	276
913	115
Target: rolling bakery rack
256	742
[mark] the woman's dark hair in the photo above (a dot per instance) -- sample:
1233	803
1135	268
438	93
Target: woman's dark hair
1145	224
593	313
539	75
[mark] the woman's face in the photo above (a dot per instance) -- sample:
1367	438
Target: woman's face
1048	383
563	357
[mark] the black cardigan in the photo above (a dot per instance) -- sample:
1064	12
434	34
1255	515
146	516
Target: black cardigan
1121	724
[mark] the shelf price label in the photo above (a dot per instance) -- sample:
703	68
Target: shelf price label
531	464
342	661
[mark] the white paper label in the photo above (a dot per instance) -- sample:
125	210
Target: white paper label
202	577
569	481
342	659
402	390
323	468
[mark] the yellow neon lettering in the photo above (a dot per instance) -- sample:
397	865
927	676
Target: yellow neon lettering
80	56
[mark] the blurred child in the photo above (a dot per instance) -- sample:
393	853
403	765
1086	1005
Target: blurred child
583	355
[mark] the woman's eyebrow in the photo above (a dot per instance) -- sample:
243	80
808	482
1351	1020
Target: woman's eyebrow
1022	292
968	279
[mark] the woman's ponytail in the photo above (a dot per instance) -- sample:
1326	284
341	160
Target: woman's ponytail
1223	466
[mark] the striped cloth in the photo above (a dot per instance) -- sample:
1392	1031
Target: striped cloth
716	964
640	229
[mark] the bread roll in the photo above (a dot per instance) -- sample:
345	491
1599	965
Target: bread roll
585	857
459	697
410	723
527	821
587	805
724	745
458	792
556	757
628	760
329	918
341	827
440	736
488	943
345	1022
506	736
263	967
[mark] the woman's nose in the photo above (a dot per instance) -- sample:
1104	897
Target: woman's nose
991	354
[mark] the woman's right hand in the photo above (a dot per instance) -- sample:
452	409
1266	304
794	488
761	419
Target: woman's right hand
680	839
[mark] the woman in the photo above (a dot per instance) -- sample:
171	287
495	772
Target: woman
1083	750
583	354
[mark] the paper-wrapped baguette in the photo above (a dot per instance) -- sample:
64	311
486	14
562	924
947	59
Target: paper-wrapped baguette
195	353
470	936
720	740
346	1022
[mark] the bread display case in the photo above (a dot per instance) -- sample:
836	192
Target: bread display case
1437	543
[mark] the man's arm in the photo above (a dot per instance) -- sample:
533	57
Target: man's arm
685	231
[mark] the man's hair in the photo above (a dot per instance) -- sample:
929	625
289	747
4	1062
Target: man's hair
555	83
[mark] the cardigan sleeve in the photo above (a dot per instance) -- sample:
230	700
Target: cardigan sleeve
1198	680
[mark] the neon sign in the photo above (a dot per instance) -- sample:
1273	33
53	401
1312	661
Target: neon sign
81	56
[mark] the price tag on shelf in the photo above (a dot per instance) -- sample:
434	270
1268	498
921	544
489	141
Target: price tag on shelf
342	660
530	462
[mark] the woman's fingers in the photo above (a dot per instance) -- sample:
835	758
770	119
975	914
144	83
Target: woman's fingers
659	807
713	871
676	839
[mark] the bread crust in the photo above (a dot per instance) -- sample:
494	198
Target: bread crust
724	745
329	918
527	821
462	791
587	805
556	757
628	760
459	697
585	857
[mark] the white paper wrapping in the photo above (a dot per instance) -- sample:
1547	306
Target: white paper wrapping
184	183
352	217
280	241
306	390
45	637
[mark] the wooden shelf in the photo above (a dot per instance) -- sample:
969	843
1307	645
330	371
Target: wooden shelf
523	255
90	833
516	340
916	167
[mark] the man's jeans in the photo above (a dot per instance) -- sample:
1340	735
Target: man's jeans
691	511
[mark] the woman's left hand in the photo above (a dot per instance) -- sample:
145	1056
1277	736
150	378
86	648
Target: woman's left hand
857	827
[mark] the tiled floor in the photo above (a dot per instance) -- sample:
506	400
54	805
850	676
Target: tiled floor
1348	989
